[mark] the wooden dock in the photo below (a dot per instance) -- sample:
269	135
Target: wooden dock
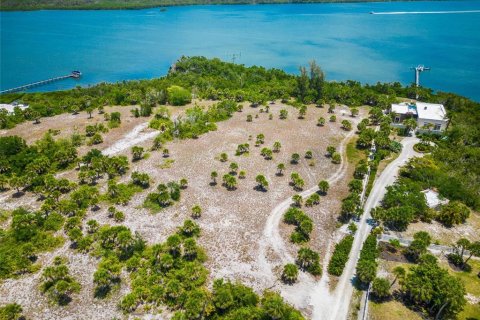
74	74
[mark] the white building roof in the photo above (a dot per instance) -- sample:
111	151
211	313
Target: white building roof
10	107
431	111
404	108
433	199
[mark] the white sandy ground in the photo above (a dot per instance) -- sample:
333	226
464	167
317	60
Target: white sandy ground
233	224
134	137
307	292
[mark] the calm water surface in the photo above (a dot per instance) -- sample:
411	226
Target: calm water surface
347	41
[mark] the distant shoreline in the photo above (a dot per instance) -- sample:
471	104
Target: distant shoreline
33	5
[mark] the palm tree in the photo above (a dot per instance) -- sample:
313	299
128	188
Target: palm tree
307	258
276	146
347	125
290	273
196	211
262	182
410	124
137	153
233	167
354	111
214	176
298	184
280	168
297	200
331	150
242	174
229	181
336	158
302	112
399	273
333	118
266	153
166	153
183	183
260	139
321	122
295	158
323	186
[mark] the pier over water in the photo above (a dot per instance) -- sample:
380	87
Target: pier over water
74	74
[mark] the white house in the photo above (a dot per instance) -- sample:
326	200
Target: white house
429	116
11	107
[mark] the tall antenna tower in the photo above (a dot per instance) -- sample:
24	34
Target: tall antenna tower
418	69
234	56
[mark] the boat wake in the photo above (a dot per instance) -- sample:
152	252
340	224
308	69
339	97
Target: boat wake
425	12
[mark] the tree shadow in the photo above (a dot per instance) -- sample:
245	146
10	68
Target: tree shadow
18	194
259	188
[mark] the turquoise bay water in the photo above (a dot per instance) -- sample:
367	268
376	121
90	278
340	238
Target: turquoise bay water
347	41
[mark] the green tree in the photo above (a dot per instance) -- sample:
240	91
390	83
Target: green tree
452	213
295	158
213	176
297	200
137	153
354	112
410	124
11	311
233	167
276	146
323	186
321	122
283	114
399	273
347	125
290	273
280	169
419	245
229	181
336	158
262	183
302	111
196	211
381	288
178	96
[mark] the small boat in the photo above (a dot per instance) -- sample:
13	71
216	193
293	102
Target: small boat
163	9
372	12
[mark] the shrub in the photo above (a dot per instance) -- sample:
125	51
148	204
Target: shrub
178	96
340	256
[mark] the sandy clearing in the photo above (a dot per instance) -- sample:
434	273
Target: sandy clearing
233	221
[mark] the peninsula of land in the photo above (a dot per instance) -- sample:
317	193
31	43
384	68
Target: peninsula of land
14	5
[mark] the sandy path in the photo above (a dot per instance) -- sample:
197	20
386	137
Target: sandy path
273	241
134	137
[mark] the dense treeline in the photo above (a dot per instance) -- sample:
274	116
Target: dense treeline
340	256
367	264
137	4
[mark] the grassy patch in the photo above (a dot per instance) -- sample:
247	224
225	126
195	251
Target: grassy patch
470	312
391	310
354	155
166	164
470	279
